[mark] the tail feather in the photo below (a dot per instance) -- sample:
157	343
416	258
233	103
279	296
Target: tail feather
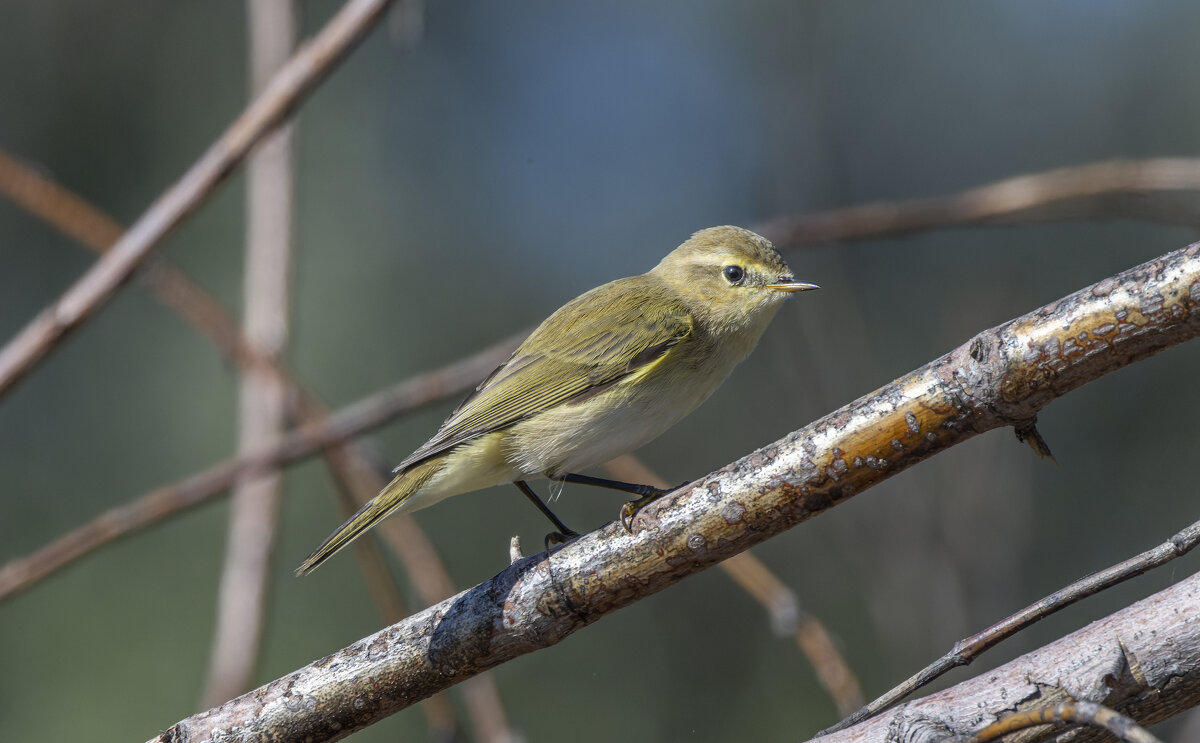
391	498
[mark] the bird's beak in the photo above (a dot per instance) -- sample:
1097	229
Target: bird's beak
790	287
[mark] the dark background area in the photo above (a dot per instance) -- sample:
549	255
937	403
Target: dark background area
458	190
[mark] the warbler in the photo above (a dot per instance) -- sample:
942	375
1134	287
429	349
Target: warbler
609	371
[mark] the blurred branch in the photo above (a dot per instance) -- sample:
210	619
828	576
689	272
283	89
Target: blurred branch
285	90
970	648
56	206
76	218
451	380
348	462
779	601
1001	377
262	406
1117	189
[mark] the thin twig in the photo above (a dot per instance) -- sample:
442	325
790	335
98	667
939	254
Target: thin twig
353	420
242	597
1000	378
970	648
833	672
286	89
76	218
1080	713
787	618
57	206
1116	189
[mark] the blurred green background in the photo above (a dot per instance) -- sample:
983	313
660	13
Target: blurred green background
454	191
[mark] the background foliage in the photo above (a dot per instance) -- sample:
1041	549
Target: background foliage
454	191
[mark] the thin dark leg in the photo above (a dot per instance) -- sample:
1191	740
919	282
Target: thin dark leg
648	494
628	487
564	532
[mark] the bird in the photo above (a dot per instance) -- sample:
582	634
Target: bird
606	373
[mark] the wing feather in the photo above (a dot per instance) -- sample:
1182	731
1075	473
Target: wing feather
591	343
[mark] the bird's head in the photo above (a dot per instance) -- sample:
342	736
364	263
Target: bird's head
731	278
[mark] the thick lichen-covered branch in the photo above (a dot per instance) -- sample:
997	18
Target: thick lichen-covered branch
1001	377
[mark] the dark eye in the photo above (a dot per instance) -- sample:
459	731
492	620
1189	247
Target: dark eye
734	274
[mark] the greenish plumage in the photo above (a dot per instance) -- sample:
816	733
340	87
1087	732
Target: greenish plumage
607	372
592	342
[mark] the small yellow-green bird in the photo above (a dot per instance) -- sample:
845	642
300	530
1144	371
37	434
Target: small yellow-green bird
609	371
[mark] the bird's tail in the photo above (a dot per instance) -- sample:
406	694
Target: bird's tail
392	497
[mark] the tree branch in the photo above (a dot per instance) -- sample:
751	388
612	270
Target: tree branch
1001	377
285	90
263	399
1117	189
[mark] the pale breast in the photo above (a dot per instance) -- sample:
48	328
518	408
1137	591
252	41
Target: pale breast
573	437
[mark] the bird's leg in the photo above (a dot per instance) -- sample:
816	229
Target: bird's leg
646	491
648	494
564	533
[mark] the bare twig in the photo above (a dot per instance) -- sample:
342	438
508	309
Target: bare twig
281	95
779	601
1001	377
833	672
353	420
970	648
254	511
1080	713
78	219
56	206
1117	189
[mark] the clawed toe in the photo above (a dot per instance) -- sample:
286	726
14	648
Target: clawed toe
630	510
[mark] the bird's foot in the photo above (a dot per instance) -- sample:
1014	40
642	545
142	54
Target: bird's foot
630	510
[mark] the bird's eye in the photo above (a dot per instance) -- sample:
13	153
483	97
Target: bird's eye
734	274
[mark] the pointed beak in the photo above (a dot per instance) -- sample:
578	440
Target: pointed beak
787	285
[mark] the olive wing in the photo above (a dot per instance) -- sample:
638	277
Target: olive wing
591	343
